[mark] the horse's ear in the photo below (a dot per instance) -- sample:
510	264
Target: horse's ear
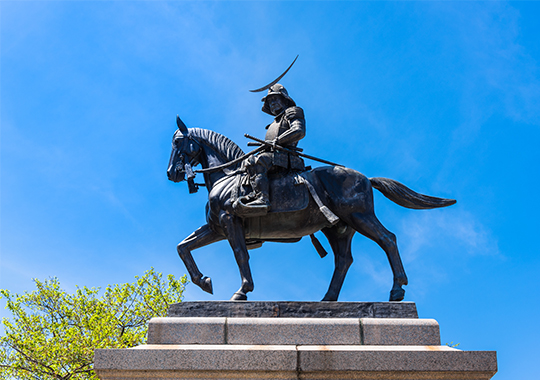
181	126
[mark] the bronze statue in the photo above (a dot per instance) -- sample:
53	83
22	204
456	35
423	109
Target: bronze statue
288	127
268	195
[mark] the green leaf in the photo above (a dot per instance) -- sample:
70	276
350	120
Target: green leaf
52	334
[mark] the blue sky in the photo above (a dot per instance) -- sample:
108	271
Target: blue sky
441	96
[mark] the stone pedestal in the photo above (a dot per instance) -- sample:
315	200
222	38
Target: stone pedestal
293	340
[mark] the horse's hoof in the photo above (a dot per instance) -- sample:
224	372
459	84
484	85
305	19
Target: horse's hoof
397	294
206	285
328	298
239	296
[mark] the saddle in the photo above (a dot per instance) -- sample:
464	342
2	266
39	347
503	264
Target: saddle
287	193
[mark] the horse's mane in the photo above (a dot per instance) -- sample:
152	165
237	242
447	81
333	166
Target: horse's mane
221	143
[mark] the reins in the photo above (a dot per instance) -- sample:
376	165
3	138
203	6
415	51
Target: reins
230	163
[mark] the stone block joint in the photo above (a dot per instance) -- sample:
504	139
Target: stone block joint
278	346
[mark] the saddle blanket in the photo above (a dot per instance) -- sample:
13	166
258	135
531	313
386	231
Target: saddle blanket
287	193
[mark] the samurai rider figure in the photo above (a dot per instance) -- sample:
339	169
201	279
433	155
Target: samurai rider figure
288	127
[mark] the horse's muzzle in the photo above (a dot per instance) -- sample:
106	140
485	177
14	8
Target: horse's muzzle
176	175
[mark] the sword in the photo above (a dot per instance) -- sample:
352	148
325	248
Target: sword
254	143
289	150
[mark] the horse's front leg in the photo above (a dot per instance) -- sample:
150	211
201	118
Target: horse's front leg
234	230
202	236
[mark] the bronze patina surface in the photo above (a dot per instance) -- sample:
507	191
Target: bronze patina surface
261	197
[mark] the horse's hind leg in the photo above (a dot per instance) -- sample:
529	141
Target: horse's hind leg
368	225
234	230
202	236
340	238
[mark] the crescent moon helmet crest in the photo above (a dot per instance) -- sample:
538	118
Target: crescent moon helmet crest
275	80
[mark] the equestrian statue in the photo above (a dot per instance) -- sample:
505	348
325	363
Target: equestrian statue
269	195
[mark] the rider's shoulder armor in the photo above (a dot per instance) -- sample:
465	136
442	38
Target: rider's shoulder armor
292	113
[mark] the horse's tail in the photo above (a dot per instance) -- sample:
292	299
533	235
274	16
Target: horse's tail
403	196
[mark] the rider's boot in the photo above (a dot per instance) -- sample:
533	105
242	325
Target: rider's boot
261	186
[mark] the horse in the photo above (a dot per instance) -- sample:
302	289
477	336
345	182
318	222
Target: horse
347	194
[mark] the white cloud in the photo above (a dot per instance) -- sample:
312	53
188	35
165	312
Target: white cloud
499	75
460	231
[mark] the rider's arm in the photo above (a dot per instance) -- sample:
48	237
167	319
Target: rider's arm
297	130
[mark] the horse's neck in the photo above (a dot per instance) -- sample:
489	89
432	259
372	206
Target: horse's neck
210	159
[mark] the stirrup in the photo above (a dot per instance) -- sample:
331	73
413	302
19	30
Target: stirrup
243	207
258	202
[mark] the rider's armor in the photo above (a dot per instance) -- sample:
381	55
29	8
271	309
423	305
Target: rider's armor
286	130
288	127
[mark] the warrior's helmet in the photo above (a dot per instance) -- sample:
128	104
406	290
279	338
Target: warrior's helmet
278	90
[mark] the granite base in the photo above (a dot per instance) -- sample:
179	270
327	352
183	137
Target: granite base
277	347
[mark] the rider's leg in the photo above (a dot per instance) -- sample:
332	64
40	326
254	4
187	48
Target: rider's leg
258	173
261	187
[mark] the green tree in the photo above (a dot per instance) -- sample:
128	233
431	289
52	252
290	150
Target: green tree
53	334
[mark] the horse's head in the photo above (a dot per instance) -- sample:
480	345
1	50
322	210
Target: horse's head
185	153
